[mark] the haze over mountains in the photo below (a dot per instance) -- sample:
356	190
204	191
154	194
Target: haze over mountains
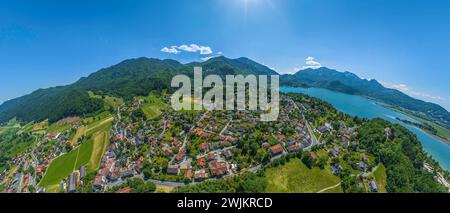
135	77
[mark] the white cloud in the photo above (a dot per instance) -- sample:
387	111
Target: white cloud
172	50
409	91
204	50
311	63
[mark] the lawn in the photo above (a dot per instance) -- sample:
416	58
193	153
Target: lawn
380	178
295	177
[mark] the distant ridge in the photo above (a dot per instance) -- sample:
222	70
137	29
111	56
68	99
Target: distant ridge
350	83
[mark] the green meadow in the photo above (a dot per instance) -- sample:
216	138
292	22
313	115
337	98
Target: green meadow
295	177
89	154
152	106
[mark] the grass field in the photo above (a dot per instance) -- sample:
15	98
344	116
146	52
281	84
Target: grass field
89	153
99	125
60	168
380	178
152	106
101	142
295	177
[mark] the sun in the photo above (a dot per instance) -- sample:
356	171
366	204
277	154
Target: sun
253	4
249	3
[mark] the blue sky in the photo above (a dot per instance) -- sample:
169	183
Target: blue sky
403	43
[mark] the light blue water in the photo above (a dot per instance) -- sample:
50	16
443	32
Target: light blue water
367	108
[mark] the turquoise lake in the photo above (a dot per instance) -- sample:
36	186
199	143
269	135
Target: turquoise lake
367	108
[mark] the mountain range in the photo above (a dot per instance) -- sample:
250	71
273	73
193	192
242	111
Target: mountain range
136	77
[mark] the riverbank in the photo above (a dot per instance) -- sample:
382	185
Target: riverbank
421	120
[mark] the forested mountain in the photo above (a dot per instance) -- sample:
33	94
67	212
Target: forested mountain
135	77
130	78
347	82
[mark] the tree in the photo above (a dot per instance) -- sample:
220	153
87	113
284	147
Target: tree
307	160
322	161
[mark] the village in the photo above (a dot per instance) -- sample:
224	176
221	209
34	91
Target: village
178	148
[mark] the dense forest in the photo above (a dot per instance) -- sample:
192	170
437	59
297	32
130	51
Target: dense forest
402	155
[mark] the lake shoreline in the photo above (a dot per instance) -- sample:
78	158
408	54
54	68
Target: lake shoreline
437	137
362	106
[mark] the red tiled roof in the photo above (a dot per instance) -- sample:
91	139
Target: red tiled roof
180	155
218	168
201	162
276	149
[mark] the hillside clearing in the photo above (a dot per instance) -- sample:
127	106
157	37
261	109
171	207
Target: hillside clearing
295	177
152	106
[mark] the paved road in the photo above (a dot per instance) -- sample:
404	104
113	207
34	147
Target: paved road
314	140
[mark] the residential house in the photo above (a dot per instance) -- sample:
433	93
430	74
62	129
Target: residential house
173	170
276	150
201	175
218	169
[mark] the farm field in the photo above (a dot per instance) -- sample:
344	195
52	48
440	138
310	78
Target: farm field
99	125
64	165
295	177
89	153
100	144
